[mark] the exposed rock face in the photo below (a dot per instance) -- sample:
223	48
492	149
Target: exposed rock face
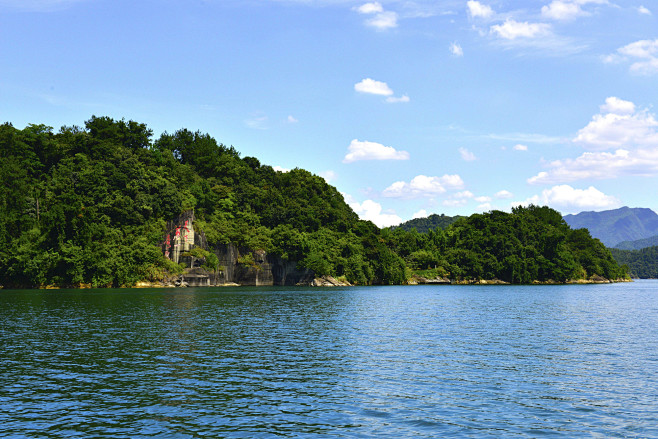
325	281
238	268
420	280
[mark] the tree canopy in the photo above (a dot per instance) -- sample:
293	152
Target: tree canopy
88	205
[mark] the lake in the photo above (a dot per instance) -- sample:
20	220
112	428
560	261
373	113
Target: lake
413	361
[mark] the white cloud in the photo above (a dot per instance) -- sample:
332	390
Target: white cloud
511	29
365	150
372	211
565	10
503	194
383	20
423	186
561	10
467	155
401	99
464	195
370	8
422	213
291	119
600	165
280	169
567	199
484	207
632	135
328	175
371	86
477	9
456	49
643	10
519	147
482	199
642	54
619	126
616	105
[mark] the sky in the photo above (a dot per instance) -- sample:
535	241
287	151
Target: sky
407	107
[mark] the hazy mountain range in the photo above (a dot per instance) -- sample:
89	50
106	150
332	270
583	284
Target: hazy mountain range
626	228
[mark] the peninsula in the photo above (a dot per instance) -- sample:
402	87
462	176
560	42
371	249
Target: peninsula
106	205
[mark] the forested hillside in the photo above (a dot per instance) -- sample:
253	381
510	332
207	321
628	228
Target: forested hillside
425	224
88	205
638	244
641	263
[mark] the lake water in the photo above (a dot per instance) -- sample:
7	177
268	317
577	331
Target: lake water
422	361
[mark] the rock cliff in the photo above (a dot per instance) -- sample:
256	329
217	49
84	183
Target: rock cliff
238	265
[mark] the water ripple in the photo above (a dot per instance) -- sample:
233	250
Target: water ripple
558	361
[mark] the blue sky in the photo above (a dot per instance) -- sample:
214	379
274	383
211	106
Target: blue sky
407	107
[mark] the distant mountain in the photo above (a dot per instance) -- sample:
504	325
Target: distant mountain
639	244
424	225
615	226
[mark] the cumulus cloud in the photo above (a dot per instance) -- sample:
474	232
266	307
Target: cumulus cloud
512	29
643	10
456	49
519	147
568	199
479	10
482	199
618	125
561	10
370	86
291	119
565	10
370	8
619	106
422	213
381	19
600	165
423	186
364	150
459	199
370	210
467	155
632	135
280	169
503	194
642	54
464	195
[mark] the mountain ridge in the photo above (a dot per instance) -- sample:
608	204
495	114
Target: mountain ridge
614	226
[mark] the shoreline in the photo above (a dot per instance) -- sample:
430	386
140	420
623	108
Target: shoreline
330	282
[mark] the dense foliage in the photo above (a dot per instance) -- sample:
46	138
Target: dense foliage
424	225
530	244
89	206
641	263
